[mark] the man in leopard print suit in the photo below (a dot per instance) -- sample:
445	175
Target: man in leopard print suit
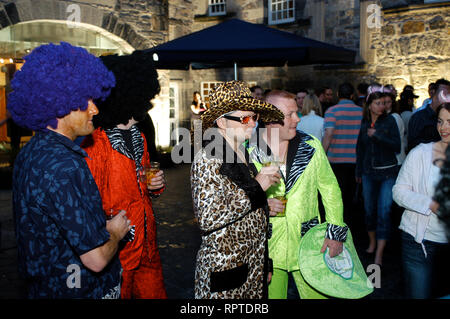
229	198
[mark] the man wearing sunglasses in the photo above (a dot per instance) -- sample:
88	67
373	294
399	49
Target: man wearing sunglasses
305	170
229	198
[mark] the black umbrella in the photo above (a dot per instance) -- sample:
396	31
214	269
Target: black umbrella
236	42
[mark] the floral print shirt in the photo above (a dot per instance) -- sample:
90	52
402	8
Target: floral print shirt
59	217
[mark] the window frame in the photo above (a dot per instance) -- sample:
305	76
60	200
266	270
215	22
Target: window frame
281	10
216	4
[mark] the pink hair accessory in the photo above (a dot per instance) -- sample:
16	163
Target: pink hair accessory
375	89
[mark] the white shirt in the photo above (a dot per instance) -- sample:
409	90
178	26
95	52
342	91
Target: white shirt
406	115
312	124
401	130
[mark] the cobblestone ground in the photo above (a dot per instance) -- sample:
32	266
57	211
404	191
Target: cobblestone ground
178	241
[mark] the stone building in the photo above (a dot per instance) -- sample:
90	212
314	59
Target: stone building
397	41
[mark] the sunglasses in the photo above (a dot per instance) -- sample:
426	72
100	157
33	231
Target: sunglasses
243	119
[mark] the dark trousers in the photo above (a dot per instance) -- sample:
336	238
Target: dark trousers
345	175
425	277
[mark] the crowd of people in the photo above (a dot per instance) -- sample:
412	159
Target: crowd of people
273	163
367	135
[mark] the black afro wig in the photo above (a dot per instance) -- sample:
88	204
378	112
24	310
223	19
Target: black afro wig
136	84
442	194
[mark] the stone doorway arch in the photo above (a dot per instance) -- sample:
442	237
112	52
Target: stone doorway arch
98	14
19	39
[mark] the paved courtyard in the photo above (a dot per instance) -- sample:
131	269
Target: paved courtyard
179	240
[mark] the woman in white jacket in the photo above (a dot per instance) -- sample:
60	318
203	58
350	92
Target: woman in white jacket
424	240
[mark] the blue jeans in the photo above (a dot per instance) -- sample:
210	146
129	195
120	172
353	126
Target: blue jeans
424	277
377	194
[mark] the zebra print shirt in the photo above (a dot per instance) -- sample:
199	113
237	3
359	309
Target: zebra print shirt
135	151
301	160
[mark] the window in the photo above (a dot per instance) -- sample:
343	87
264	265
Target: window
217	7
281	11
206	87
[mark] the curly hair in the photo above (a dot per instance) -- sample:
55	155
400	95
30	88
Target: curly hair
442	194
136	84
54	81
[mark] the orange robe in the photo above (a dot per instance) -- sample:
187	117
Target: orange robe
115	176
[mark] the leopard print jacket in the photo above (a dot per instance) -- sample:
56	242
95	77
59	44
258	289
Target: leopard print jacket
229	206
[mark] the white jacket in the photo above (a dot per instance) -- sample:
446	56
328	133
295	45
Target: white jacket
411	191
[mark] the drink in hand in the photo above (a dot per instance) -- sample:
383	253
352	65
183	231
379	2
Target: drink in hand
284	201
151	171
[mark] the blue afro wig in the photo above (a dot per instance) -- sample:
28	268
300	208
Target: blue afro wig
54	81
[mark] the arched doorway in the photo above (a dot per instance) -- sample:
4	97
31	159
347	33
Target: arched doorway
19	39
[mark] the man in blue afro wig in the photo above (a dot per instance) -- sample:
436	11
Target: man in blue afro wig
66	248
54	81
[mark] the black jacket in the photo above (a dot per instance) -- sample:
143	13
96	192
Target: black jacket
379	151
422	128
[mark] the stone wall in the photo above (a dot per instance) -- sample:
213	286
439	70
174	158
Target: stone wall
342	23
412	47
332	21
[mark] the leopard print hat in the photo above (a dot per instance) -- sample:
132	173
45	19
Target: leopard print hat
236	96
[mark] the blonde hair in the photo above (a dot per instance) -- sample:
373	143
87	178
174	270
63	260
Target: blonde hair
311	103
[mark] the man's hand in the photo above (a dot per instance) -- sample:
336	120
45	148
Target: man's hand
335	247
268	176
118	226
327	137
275	206
98	258
157	182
